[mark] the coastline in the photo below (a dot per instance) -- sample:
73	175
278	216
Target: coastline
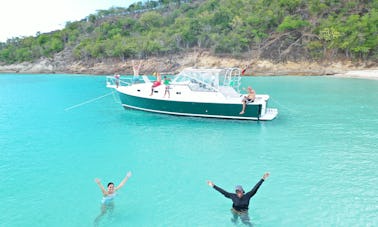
174	64
371	74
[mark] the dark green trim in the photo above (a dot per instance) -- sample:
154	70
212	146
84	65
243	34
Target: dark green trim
191	108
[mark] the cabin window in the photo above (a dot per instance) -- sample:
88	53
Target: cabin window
198	86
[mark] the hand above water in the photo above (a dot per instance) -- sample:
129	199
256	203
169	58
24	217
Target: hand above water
266	175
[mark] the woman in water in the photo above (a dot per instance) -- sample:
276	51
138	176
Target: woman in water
108	195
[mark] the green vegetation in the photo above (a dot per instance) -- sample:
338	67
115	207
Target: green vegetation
274	29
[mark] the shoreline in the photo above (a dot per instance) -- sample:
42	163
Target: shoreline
175	64
371	74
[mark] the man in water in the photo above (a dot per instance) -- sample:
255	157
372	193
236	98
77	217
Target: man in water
108	196
240	200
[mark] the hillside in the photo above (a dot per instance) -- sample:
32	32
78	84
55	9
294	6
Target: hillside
272	37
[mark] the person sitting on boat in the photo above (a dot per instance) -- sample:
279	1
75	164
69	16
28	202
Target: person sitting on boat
136	70
156	83
108	195
240	199
248	99
167	81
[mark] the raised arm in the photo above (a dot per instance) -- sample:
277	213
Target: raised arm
257	186
266	175
128	175
225	193
98	182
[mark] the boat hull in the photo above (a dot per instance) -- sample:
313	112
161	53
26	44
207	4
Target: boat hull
186	108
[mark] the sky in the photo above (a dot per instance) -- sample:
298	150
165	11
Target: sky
20	18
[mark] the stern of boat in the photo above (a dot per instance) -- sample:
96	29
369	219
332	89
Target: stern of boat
267	114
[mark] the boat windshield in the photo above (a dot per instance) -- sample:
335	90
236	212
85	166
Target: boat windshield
209	79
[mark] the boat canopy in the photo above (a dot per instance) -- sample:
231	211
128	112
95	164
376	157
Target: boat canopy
209	79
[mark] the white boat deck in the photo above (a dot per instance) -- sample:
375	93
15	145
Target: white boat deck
183	94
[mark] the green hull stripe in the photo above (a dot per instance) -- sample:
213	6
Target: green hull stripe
217	110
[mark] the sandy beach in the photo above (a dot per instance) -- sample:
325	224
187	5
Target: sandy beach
363	74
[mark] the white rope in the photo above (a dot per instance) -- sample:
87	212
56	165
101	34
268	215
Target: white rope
116	100
86	102
283	106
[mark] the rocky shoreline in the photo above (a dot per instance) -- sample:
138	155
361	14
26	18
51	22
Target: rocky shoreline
174	64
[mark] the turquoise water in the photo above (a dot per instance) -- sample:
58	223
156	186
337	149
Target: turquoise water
321	151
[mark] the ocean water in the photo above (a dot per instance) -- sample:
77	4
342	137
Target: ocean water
60	132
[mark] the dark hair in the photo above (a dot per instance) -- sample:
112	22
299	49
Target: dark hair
110	183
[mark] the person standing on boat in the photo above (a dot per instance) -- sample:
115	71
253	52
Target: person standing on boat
244	70
240	199
136	70
109	195
167	81
248	99
116	78
156	83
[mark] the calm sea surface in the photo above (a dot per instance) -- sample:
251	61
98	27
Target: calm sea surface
56	138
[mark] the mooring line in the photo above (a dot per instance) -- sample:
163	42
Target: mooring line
115	98
285	107
86	102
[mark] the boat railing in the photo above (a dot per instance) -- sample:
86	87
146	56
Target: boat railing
113	82
232	78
